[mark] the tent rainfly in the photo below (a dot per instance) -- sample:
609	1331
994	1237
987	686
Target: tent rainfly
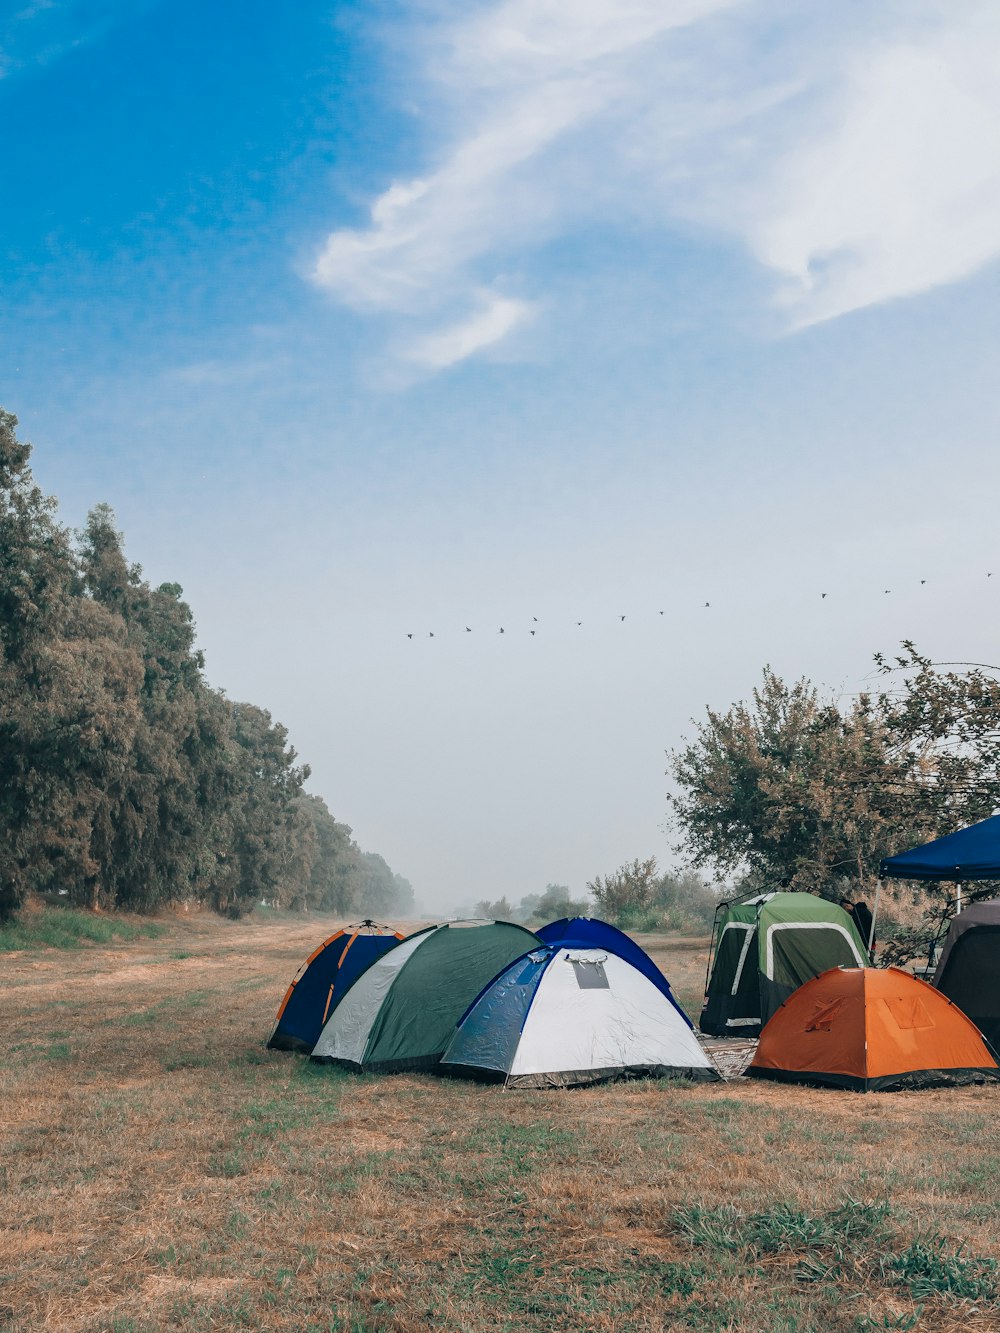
401	1013
969	968
872	1030
766	947
563	1016
588	932
323	980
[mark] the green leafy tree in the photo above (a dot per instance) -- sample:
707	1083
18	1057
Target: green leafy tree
555	903
68	681
791	790
628	895
501	910
125	780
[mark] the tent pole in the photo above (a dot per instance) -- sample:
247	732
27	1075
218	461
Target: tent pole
871	928
711	946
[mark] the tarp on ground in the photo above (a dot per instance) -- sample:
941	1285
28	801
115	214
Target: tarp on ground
968	971
968	854
767	947
402	1012
872	1030
590	932
323	980
559	1017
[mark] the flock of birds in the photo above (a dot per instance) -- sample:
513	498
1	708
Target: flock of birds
621	618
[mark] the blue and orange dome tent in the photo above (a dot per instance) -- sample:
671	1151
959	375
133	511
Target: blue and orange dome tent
323	980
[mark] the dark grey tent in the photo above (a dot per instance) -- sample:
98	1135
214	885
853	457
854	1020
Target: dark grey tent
969	969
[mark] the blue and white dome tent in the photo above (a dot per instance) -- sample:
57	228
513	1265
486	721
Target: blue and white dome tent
589	932
558	1017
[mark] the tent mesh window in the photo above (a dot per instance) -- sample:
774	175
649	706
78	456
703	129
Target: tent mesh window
590	974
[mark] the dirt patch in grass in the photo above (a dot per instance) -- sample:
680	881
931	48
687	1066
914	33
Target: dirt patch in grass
160	1169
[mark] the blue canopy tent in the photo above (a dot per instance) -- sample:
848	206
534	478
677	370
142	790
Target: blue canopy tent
970	853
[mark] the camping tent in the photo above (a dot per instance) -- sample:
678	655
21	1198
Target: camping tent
587	932
969	853
766	947
872	1029
969	969
561	1016
400	1014
323	980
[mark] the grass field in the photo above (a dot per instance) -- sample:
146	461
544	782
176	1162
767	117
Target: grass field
160	1170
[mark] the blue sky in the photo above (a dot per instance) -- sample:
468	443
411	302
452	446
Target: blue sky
382	319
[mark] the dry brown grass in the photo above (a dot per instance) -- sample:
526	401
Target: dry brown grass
159	1169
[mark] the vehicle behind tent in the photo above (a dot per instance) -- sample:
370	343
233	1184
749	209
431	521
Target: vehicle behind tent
401	1013
766	947
560	1016
872	1030
968	971
589	932
323	980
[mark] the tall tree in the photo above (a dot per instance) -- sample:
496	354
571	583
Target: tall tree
792	790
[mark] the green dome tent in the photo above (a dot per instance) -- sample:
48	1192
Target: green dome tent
401	1013
766	947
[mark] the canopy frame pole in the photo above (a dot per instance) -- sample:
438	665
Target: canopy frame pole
871	929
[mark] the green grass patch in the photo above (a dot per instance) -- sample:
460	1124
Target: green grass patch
70	928
853	1248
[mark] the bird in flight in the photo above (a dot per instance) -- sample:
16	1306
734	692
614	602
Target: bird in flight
532	632
409	636
822	594
501	629
621	617
708	603
468	630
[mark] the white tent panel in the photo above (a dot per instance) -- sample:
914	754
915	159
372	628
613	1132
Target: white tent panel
577	1025
346	1033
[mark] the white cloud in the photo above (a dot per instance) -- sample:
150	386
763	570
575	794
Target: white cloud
446	347
903	193
854	153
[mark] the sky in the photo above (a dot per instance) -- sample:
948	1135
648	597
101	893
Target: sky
629	326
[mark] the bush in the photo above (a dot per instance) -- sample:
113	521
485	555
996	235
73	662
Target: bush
637	897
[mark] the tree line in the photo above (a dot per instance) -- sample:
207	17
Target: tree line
126	780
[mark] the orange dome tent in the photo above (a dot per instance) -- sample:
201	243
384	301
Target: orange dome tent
872	1029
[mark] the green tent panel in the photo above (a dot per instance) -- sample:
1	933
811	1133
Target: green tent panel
766	948
402	1012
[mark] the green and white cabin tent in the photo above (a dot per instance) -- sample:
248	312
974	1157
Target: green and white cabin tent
561	1016
401	1013
765	948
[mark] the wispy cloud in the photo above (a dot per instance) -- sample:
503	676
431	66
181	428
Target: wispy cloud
38	32
902	192
499	316
856	154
